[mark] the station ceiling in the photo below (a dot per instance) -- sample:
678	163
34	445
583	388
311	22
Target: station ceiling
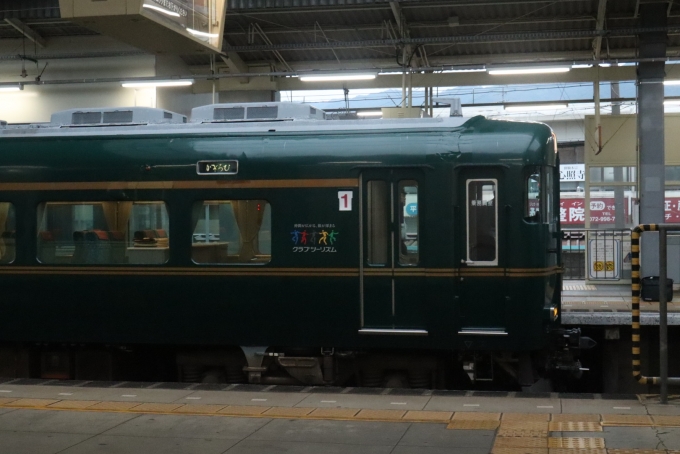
281	36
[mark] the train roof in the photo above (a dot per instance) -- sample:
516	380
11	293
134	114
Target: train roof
230	119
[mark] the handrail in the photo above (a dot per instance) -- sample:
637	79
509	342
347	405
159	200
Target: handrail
664	380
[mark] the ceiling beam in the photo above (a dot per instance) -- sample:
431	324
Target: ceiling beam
599	26
27	31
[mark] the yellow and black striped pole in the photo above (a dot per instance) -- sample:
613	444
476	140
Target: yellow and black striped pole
636	288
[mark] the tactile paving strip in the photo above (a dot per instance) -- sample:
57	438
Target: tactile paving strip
6	400
637	451
428	416
525	425
237	410
73	404
575	426
668	421
156	407
198	409
626	420
506	442
576	417
578	451
473	416
525	417
473	425
31	403
334	413
381	415
113	406
288	412
575	442
522	433
519	451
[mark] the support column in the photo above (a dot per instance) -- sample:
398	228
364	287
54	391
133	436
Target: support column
650	77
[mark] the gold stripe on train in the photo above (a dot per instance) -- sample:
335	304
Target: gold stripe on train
192	184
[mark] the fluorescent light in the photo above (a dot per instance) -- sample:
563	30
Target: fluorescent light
524	107
337	76
158	83
582	66
467	70
370	113
605	65
671	102
537	70
199	33
7	88
161	10
671	82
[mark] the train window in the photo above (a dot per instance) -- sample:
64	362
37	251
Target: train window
231	231
378	218
532	206
86	233
408	225
7	233
482	222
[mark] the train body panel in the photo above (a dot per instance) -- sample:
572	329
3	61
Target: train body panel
120	239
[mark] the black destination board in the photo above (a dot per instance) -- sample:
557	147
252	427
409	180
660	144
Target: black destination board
217	167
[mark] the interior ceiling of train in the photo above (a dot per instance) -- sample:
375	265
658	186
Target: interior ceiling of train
294	35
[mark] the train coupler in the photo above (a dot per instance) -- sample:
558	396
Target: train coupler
566	347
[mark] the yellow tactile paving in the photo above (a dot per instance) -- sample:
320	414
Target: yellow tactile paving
473	425
73	404
113	406
577	451
525	425
519	451
199	409
243	410
381	415
575	442
638	451
156	408
507	442
565	417
473	416
525	417
626	420
428	416
575	426
668	421
522	433
31	403
6	400
334	413
288	412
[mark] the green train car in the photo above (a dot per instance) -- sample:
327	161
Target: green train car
266	244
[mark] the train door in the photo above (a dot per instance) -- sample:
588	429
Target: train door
391	271
479	225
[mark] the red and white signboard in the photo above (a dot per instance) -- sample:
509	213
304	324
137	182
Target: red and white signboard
602	211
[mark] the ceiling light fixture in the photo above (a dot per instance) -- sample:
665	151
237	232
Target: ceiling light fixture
370	113
200	33
336	76
581	65
161	10
525	107
9	88
537	70
158	83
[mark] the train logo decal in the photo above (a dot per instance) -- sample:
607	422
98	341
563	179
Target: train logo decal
314	237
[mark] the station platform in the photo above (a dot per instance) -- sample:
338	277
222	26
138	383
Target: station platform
69	417
609	304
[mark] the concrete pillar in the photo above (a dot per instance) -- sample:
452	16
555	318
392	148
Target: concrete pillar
650	77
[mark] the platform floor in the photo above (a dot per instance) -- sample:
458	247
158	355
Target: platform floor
89	417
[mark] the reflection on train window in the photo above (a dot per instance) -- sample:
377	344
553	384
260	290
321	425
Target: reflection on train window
232	231
547	196
102	233
482	242
532	207
408	222
7	233
378	212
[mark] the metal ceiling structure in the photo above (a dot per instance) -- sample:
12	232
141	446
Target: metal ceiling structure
274	37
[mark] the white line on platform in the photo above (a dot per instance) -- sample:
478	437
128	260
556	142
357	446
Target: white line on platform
5	391
128	395
621	408
470	405
544	406
328	401
258	400
397	403
65	394
193	397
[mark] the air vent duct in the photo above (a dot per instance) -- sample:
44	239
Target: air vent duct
114	117
270	111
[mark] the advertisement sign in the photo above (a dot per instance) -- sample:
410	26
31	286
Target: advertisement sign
572	172
603	259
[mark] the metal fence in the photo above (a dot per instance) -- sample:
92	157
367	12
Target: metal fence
596	254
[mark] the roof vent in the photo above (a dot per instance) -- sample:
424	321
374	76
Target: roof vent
115	117
270	111
3	124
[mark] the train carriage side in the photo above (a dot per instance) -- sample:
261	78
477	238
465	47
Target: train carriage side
367	244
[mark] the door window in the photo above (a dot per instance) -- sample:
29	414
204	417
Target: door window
378	222
482	215
408	223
